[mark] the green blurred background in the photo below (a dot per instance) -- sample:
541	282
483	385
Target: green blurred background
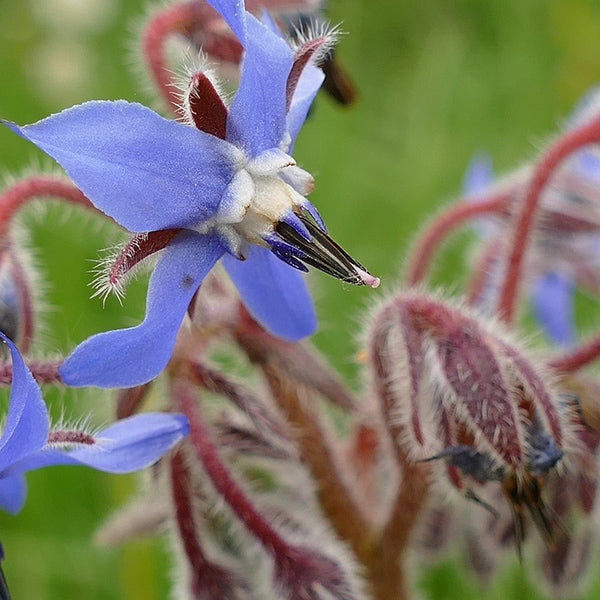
439	80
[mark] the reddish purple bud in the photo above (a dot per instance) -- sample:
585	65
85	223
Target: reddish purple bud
478	392
483	406
397	351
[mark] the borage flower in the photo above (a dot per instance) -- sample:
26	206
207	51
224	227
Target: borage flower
27	442
226	188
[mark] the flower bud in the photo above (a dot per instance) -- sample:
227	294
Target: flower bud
462	390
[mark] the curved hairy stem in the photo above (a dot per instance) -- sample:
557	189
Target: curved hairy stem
524	219
36	186
446	222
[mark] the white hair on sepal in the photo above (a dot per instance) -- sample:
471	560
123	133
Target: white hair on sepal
191	64
305	33
101	283
68	423
104	284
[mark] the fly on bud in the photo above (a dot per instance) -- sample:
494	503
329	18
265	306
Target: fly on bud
466	393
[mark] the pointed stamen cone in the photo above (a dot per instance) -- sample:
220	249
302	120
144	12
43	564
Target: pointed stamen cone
4	593
205	107
525	492
319	250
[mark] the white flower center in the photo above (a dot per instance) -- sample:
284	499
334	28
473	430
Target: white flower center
260	193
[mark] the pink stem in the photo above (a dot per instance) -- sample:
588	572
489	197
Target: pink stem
524	220
182	500
222	480
23	190
128	400
482	269
207	578
577	357
444	223
42	371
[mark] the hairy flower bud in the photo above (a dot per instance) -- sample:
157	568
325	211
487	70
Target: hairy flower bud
465	392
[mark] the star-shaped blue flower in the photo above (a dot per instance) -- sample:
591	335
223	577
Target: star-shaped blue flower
27	443
238	196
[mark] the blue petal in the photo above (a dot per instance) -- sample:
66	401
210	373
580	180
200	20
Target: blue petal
132	356
12	493
143	170
308	85
269	22
275	294
26	428
257	116
234	13
478	175
552	303
127	445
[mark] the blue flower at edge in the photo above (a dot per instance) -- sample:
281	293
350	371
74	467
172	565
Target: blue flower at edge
150	173
127	445
552	292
